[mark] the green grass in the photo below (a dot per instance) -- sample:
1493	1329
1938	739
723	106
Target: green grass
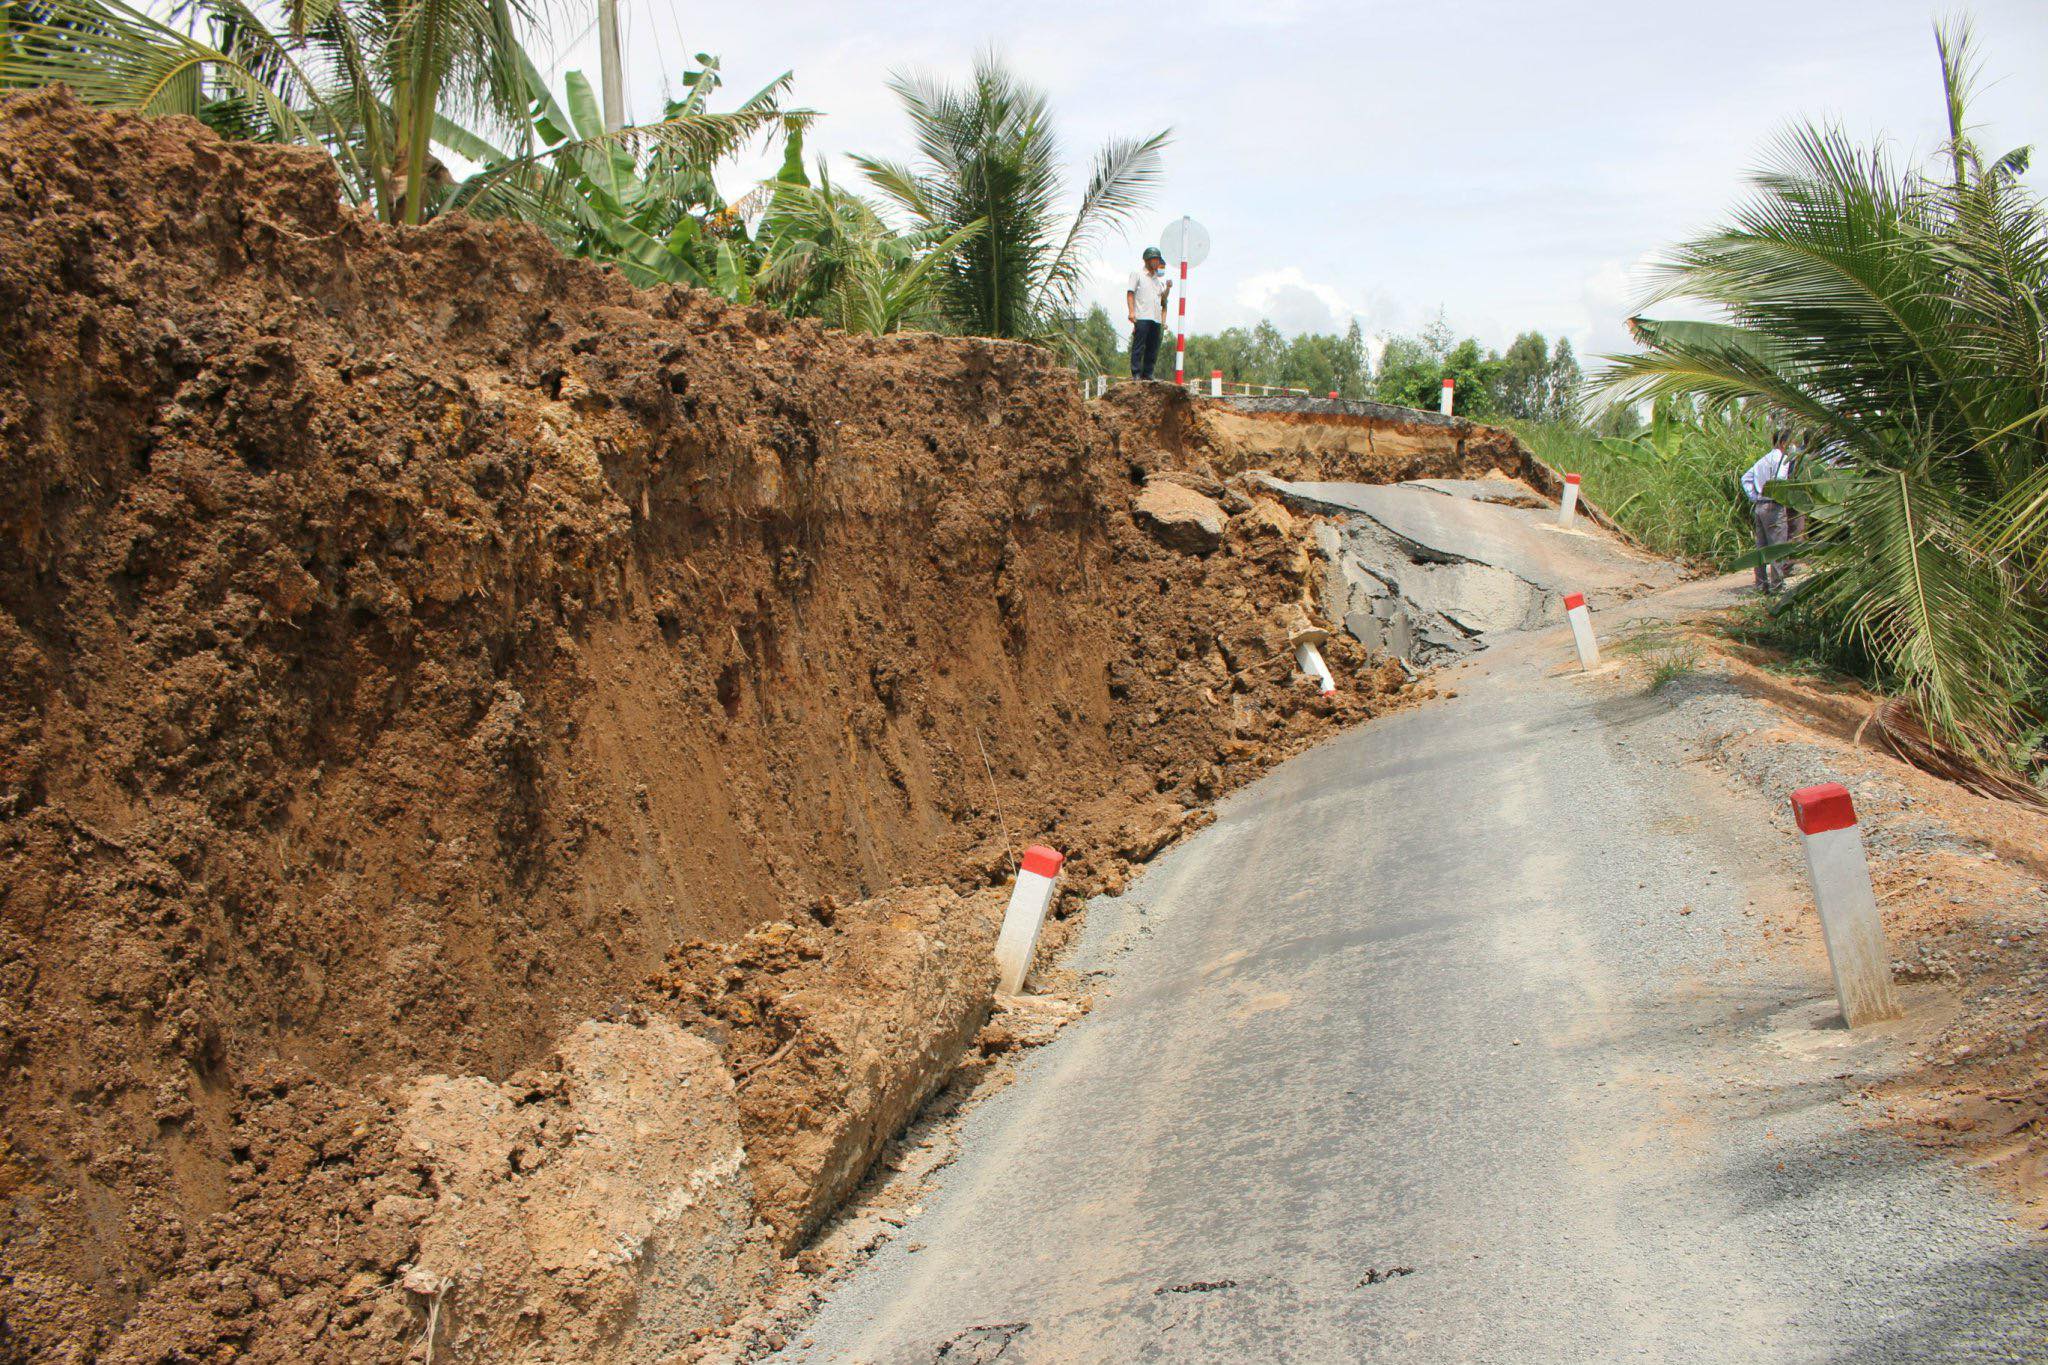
1664	649
1669	665
1675	487
1802	648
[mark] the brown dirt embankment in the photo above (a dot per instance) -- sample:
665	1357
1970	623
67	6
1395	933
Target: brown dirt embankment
433	667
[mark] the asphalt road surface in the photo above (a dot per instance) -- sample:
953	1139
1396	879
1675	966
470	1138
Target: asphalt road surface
1413	1056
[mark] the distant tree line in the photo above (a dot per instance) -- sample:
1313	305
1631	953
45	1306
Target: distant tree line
1533	379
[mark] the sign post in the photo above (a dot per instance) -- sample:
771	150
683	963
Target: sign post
1188	241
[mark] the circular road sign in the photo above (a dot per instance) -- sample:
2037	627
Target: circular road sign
1185	240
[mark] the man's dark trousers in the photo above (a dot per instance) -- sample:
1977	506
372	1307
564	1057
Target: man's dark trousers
1145	348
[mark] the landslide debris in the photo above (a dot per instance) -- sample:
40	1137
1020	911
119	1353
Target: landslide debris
1180	518
839	1026
434	669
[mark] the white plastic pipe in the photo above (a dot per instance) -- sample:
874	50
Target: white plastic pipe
1311	660
1030	898
1849	922
1582	630
1449	389
1570	502
1215	383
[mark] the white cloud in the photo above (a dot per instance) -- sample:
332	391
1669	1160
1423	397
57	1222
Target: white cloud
1341	177
1610	294
1292	301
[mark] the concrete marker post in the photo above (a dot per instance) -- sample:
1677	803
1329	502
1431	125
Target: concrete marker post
1307	637
1569	503
1582	630
1310	660
1849	922
1450	388
1215	383
1038	879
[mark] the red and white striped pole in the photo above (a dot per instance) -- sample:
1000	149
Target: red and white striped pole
1180	335
1849	922
1569	503
1449	388
1582	630
1037	880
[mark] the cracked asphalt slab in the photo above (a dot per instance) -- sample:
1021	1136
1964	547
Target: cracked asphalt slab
1444	566
1448	1042
1455	520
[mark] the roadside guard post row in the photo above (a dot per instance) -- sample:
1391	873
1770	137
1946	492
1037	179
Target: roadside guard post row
1849	923
1038	880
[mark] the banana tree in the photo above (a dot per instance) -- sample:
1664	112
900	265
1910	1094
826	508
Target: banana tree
643	198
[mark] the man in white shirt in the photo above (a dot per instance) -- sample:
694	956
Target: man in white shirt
1146	302
1773	519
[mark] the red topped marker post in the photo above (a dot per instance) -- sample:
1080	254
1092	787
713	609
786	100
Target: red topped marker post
1450	393
1038	880
1857	953
1569	503
1582	630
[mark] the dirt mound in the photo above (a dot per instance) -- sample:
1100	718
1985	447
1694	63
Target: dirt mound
413	637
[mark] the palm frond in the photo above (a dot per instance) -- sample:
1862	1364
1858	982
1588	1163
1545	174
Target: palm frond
1898	315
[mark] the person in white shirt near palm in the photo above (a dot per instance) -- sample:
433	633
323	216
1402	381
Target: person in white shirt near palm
1146	301
1773	519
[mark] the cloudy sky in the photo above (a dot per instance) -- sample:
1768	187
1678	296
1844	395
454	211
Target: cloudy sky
1513	164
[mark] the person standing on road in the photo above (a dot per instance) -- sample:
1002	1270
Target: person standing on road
1773	519
1146	303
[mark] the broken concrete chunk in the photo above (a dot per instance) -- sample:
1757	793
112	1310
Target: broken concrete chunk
612	1220
1201	480
1267	517
1294	624
1179	517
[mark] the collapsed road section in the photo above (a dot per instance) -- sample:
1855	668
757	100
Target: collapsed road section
1430	568
508	779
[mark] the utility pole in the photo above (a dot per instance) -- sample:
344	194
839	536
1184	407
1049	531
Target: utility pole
610	70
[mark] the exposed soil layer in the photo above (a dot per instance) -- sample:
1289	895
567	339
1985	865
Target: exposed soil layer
419	645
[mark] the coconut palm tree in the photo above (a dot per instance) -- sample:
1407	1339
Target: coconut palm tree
988	154
377	84
832	255
1897	314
